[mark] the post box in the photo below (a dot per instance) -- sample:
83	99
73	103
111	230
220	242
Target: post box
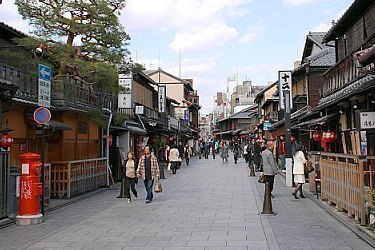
30	190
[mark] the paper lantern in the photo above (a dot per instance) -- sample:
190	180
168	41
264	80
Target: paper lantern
6	140
317	136
328	136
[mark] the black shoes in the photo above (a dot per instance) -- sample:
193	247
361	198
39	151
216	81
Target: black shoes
295	195
301	195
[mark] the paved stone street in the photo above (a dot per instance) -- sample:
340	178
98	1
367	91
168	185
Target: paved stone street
207	205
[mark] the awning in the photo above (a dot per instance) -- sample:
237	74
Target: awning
234	132
52	124
246	132
225	132
58	125
136	130
314	122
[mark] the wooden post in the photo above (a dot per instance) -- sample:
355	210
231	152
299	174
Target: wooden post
362	192
68	179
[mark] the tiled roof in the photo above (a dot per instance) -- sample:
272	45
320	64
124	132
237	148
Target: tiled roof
353	88
325	58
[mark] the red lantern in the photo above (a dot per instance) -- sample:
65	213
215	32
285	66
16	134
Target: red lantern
328	136
317	136
6	140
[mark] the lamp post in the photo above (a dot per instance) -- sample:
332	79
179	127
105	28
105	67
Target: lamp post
107	143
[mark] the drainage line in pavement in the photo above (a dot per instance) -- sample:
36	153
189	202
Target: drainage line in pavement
64	204
357	231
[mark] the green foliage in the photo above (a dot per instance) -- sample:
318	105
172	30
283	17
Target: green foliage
88	38
104	75
98	117
118	119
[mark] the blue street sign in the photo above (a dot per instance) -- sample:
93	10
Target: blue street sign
44	72
42	115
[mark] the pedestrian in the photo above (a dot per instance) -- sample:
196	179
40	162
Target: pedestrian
213	150
206	150
130	176
299	171
250	155
187	153
148	169
257	155
224	152
174	158
181	152
167	161
282	153
236	152
245	152
201	149
269	165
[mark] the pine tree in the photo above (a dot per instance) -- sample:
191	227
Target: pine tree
86	38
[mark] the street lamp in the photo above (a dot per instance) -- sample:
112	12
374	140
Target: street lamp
107	143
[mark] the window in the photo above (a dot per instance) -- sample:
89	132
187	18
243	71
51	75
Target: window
82	128
4	73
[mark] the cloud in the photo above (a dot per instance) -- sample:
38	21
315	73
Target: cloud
9	12
321	27
196	38
254	32
195	24
298	2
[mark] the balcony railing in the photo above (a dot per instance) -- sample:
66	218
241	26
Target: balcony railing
272	116
128	112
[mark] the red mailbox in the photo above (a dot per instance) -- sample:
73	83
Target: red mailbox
30	189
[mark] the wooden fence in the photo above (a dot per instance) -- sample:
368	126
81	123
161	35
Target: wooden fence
346	181
69	178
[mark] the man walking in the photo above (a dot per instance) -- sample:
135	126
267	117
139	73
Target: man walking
148	169
269	166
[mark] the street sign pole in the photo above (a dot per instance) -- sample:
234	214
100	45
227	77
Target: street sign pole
42	160
288	153
285	92
42	116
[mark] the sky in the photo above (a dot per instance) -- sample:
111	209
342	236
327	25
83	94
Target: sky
211	40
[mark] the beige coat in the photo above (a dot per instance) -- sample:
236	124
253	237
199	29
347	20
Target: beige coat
299	162
174	154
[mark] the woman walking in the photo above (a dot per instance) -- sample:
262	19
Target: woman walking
130	165
299	171
174	158
187	153
224	152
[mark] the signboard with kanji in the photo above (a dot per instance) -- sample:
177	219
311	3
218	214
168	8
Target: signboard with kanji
44	85
367	120
285	83
162	98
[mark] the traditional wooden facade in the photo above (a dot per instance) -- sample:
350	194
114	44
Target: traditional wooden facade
346	165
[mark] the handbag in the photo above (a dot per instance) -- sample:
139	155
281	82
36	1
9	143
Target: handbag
308	167
179	159
262	178
158	188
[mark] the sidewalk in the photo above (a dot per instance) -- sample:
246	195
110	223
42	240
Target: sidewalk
207	205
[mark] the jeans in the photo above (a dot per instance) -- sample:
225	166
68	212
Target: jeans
148	185
283	161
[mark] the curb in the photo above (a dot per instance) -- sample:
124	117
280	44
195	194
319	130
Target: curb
9	222
361	231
